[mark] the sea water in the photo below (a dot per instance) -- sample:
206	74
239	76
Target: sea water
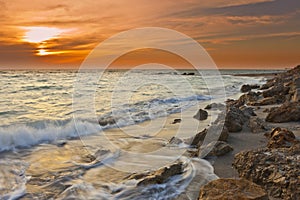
38	114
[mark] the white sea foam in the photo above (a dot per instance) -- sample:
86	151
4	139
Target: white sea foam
12	137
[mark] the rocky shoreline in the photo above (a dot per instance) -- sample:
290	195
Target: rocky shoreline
273	171
257	153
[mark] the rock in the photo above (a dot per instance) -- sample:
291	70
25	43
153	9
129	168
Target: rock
215	131
234	189
198	138
245	88
201	115
218	148
276	90
269	101
176	121
288	112
281	138
107	121
276	169
248	111
160	176
175	141
235	119
188	74
257	125
296	95
215	106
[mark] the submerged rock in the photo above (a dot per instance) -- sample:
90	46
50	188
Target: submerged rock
234	189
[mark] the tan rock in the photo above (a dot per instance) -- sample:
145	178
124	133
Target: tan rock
233	189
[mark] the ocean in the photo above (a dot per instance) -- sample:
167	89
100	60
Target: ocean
48	116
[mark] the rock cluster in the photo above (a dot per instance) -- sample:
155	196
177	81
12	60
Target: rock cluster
275	167
234	189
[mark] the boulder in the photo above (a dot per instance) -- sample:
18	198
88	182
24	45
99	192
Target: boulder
235	119
288	112
201	115
281	138
269	101
234	189
276	169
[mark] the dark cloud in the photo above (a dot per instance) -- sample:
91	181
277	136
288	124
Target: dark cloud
277	7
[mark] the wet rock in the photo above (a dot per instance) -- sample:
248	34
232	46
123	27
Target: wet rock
160	176
175	141
176	121
107	121
288	112
281	138
188	74
276	169
215	106
201	115
246	88
218	148
234	189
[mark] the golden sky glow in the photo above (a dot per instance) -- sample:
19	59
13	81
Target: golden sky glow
236	33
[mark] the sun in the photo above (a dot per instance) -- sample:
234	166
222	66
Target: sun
40	34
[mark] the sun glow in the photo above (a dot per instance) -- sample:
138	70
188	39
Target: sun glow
40	34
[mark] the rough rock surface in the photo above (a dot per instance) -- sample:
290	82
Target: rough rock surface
246	88
235	119
281	137
276	169
234	189
218	148
201	115
160	176
215	131
288	112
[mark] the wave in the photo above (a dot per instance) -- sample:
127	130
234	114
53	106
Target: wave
129	114
27	135
50	131
14	171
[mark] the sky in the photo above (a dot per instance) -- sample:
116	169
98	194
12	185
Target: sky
260	34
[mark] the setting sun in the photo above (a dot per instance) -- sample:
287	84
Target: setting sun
40	34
